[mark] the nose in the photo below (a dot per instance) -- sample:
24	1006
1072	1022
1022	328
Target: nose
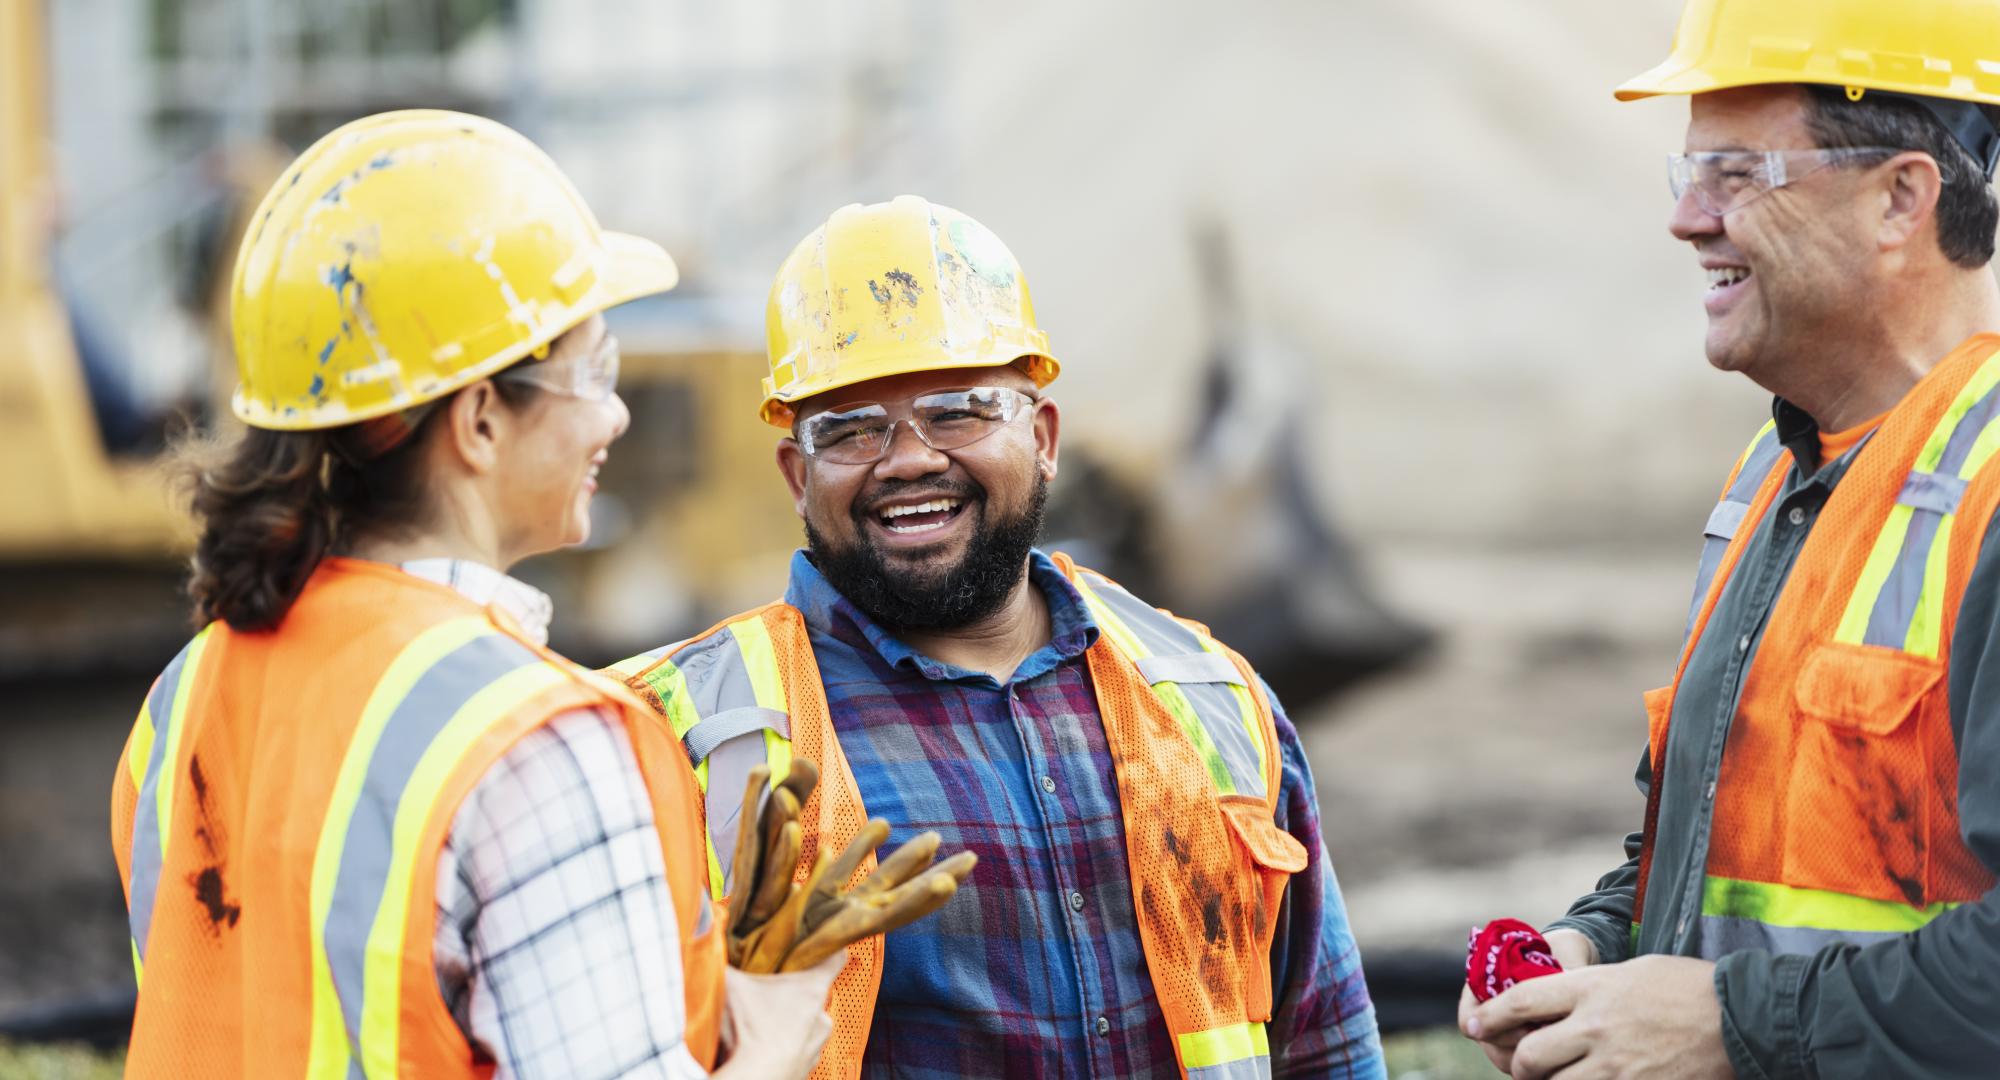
909	457
1690	222
622	416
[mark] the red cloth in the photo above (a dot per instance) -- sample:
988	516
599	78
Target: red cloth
1505	952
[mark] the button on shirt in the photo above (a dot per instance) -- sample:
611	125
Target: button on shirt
1036	969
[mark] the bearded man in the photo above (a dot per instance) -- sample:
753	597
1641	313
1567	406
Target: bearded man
1152	897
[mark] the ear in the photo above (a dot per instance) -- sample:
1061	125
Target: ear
477	422
1912	185
793	463
1048	436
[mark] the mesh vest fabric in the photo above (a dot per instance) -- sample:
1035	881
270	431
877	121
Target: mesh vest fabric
1835	815
279	812
1197	776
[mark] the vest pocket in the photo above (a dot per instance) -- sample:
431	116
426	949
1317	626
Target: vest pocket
1274	856
1856	793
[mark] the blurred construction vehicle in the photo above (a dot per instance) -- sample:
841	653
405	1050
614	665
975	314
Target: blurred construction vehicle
691	520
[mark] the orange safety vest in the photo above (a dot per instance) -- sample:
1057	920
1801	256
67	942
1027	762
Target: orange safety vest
1836	810
279	811
1194	746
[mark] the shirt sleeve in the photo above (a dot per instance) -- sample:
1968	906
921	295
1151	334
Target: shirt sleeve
1917	1005
1322	1022
556	948
1604	915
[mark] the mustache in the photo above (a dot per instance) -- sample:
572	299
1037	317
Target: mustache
930	487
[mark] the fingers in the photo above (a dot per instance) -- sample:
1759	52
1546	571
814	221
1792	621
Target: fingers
826	898
1548	998
901	866
780	858
864	917
1545	1052
800	779
743	864
783	929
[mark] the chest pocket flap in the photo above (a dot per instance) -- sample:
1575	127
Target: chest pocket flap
1868	688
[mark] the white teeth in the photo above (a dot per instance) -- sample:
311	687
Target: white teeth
931	507
1723	276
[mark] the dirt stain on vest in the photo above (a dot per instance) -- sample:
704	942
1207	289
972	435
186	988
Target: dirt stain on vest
208	892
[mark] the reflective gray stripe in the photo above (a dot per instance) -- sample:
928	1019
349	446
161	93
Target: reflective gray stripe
720	690
1725	519
1721	935
1970	426
1201	667
433	699
1896	604
1935	492
1175	645
146	853
1256	1068
1728	515
702	739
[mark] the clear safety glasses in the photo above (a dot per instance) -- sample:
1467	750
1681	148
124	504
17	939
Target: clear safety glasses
593	378
1727	180
860	432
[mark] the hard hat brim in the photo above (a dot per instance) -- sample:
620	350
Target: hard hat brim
1041	367
635	267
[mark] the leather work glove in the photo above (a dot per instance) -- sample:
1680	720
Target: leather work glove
776	924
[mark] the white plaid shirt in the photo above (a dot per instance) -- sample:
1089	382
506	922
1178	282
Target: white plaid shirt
556	946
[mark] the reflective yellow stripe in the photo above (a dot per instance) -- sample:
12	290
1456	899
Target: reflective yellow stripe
176	727
1218	1046
382	983
760	661
138	968
1928	618
1818	909
1246	706
329	1050
1169	694
1986	378
1881	560
633	665
671	685
142	745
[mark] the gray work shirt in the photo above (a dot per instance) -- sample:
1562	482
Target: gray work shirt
1925	1004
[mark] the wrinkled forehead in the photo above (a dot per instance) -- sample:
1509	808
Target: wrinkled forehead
1749	118
910	384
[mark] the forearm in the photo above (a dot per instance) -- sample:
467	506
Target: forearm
1322	1023
1604	915
1918	1005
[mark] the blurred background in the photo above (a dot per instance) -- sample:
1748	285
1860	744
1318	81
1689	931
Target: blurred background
1377	357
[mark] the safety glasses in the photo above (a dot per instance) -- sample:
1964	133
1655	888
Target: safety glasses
1727	180
858	433
593	377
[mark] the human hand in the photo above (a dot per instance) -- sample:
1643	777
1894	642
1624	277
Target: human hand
1572	949
1654	1016
775	924
765	1031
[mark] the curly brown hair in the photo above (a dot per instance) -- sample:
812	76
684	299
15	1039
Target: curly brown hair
271	505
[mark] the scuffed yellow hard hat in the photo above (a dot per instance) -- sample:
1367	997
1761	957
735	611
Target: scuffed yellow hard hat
1930	48
408	254
895	287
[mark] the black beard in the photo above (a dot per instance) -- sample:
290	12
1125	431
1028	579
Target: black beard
972	590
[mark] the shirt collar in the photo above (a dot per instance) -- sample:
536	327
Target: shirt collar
1798	432
829	612
481	584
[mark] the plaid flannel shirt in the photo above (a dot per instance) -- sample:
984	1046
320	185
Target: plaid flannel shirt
556	946
1036	969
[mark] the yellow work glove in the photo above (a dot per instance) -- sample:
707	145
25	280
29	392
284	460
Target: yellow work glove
776	924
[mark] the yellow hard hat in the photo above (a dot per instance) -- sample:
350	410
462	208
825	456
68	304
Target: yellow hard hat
891	288
1930	48
408	254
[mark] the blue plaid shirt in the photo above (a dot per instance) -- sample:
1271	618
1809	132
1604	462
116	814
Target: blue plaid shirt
1036	969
